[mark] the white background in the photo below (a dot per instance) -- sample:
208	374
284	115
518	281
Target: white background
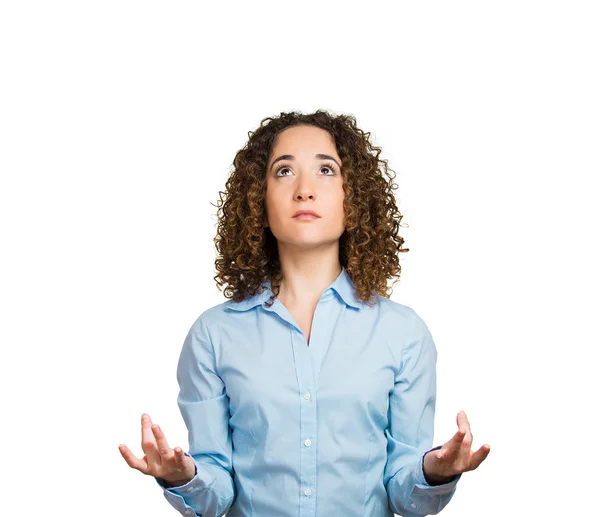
119	122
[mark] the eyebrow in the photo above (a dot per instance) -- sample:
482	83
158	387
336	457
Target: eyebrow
319	156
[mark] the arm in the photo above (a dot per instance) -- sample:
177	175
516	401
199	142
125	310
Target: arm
204	406
410	430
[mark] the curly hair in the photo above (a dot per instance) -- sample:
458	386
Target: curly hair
369	246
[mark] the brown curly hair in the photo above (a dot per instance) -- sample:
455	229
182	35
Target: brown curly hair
369	246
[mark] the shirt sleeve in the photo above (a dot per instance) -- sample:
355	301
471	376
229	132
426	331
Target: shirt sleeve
204	406
410	429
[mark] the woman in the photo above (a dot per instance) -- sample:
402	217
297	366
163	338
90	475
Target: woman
309	392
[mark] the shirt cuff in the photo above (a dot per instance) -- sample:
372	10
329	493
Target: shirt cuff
201	481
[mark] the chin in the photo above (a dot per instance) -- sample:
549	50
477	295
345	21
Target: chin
308	241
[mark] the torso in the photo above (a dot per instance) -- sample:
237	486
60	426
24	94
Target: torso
305	322
304	317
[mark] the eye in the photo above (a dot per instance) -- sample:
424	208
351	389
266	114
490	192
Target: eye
282	167
330	167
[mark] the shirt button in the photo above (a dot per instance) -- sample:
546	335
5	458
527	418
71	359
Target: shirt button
308	491
188	511
307	395
190	489
307	442
413	505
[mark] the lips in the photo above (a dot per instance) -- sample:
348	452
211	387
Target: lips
306	214
305	217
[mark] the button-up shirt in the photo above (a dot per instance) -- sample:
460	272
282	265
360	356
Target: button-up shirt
279	427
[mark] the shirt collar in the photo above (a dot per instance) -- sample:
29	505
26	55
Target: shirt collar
342	285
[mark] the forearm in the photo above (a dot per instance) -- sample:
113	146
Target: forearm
409	493
210	492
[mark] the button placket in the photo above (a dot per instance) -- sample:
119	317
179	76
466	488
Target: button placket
308	421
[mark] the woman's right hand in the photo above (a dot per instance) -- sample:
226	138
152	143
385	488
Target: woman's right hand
160	460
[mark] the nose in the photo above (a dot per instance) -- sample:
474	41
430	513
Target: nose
305	189
302	195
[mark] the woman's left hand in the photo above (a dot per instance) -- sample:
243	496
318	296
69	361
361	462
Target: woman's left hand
455	456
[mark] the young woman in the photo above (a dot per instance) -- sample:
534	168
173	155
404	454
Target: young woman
308	392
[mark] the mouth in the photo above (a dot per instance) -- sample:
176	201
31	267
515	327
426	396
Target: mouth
306	214
306	217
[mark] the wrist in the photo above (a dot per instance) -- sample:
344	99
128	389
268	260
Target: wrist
184	480
173	483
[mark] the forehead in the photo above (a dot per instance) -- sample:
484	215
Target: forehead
297	140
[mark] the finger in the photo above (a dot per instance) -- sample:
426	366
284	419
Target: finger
478	456
179	457
454	447
161	442
464	456
132	460
465	449
440	454
463	423
148	442
457	439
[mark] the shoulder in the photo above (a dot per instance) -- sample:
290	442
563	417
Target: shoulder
214	316
399	313
402	324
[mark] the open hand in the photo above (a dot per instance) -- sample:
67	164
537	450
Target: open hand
160	460
455	456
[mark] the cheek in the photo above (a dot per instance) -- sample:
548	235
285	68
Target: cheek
272	204
337	201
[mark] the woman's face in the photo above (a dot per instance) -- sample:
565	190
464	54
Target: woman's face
305	179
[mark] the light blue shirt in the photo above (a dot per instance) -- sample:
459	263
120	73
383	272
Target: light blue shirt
281	428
